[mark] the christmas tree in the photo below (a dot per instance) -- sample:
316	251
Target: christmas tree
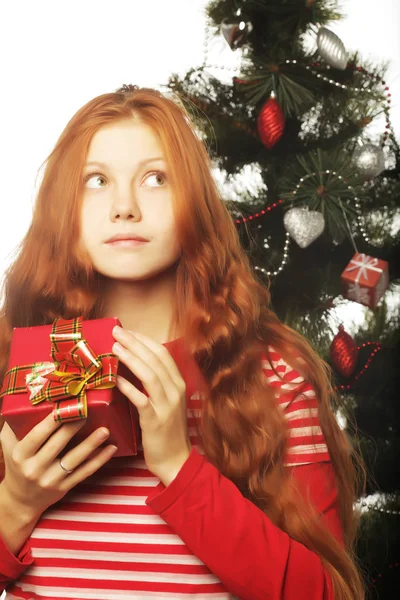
317	215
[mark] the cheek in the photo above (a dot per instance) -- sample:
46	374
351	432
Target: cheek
91	218
164	228
170	243
85	225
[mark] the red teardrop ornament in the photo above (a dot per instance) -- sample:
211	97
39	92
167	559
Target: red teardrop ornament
270	123
344	352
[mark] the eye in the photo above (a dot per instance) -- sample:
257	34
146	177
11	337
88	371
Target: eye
158	175
92	175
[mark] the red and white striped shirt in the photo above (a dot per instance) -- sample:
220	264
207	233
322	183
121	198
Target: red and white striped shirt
121	534
297	399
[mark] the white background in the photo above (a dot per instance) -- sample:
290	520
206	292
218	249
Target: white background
58	55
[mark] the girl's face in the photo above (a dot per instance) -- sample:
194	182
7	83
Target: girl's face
128	193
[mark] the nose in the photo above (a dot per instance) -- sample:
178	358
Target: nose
124	206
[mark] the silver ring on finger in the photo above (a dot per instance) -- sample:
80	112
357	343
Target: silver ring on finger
63	468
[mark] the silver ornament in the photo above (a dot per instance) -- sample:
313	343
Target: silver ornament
235	33
369	159
331	48
304	225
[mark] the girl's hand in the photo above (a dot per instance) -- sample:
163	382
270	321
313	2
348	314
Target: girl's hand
34	479
162	415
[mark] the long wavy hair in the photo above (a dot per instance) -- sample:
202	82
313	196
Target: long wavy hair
222	310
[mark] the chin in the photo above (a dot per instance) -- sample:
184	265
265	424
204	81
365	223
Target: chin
135	272
131	275
128	277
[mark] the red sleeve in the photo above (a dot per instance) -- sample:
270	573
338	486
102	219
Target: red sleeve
318	484
11	566
252	557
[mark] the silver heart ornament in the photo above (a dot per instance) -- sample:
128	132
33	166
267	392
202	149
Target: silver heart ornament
304	225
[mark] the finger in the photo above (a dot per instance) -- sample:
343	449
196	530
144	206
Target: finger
8	436
38	435
57	442
140	349
150	361
152	382
75	457
8	439
163	355
141	401
174	386
99	458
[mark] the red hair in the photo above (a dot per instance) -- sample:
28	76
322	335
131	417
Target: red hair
222	311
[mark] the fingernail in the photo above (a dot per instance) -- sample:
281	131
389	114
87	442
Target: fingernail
103	434
117	348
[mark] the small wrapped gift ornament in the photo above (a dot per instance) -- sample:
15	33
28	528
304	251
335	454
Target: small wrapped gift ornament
67	368
365	279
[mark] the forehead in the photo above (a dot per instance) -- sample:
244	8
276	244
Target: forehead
125	140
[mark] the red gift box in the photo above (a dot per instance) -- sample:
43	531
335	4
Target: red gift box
75	366
365	279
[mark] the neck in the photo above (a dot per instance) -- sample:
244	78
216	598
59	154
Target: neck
146	307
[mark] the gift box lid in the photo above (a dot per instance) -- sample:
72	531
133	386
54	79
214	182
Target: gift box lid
32	344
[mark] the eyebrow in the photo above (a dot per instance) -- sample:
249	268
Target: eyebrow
140	163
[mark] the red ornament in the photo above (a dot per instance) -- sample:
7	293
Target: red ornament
344	352
270	123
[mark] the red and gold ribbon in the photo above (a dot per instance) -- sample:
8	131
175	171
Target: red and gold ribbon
75	369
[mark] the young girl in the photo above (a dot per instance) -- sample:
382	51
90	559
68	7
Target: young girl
244	483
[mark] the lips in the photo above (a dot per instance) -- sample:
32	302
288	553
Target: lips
126	237
127	244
